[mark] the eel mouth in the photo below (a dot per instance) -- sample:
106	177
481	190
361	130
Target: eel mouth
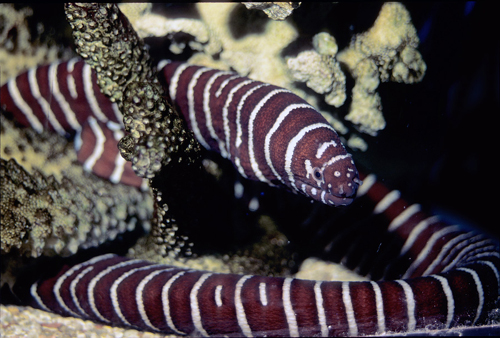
327	197
337	200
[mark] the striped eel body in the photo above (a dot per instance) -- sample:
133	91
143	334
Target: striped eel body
451	278
269	133
65	98
249	122
446	275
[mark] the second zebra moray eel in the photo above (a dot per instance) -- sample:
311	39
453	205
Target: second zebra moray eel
441	276
269	133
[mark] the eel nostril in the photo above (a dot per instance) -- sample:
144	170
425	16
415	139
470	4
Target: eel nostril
357	181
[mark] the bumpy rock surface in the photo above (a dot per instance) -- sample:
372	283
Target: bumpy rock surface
108	42
50	206
274	10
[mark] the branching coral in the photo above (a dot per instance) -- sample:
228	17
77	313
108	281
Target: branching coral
386	52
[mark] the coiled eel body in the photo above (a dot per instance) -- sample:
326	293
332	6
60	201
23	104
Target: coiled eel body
446	275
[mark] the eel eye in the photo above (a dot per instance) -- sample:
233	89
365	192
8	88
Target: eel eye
317	173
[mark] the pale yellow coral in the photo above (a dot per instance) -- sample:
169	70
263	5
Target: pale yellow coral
325	44
410	67
387	51
335	122
148	24
365	111
356	142
134	11
319	69
311	68
366	108
255	54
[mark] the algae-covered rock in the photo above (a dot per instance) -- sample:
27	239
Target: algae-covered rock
50	206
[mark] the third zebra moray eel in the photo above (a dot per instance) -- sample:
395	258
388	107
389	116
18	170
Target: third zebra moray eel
269	133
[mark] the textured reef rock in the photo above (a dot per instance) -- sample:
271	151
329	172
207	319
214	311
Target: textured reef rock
49	205
274	10
107	41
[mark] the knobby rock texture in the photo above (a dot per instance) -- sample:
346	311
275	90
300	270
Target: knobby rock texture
155	132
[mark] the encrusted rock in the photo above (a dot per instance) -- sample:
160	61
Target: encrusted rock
107	41
274	10
50	206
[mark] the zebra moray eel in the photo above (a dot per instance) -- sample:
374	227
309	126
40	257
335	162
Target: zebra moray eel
269	133
451	276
